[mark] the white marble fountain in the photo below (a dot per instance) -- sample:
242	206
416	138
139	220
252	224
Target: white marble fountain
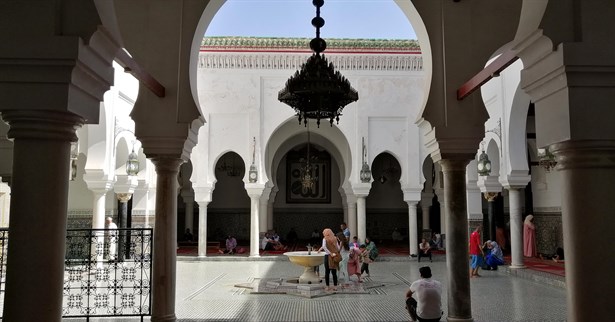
307	259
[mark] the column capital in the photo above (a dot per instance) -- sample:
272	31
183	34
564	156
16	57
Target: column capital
411	203
123	197
361	190
167	163
42	124
490	196
255	190
203	193
454	164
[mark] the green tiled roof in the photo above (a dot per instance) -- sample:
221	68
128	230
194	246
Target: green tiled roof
303	43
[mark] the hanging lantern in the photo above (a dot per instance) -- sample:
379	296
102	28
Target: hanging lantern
132	165
484	165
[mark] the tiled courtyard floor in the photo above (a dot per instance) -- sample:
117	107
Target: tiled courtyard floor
207	291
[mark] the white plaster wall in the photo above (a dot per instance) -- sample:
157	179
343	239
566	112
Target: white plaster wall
97	147
505	102
241	104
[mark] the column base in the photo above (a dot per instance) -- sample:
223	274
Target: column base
517	266
202	256
450	319
255	255
165	318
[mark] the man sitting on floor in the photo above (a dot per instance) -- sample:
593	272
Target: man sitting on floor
424	250
428	303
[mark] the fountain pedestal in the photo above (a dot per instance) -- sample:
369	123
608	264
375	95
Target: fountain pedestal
308	260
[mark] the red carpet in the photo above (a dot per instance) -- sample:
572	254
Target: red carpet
545	265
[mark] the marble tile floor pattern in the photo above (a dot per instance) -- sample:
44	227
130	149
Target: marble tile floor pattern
207	291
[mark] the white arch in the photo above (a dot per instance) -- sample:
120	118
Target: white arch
289	134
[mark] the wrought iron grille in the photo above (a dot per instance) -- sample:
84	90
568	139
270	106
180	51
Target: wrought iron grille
4	242
106	273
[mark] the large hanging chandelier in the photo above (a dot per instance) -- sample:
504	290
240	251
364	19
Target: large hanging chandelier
317	91
307	171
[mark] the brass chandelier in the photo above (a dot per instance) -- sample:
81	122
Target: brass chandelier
317	91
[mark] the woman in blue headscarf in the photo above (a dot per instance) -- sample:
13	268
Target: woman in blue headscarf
495	257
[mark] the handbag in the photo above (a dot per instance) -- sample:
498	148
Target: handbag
337	258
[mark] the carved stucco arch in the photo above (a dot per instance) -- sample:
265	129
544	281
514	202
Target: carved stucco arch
290	134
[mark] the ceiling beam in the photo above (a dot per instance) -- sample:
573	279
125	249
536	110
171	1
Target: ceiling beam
492	70
132	67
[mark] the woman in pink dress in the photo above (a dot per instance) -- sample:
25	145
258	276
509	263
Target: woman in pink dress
529	237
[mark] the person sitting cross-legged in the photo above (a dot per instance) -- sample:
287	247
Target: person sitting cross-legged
424	250
424	298
231	245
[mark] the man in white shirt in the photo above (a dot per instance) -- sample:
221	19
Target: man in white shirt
112	238
427	306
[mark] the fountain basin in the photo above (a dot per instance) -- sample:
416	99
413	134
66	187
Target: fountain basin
308	261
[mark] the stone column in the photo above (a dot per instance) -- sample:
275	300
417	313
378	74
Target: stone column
489	219
98	211
255	192
352	217
254	229
99	183
203	228
189	216
269	216
98	222
516	228
426	201
39	195
123	245
412	228
274	192
165	239
457	268
361	227
587	170
439	191
425	209
264	214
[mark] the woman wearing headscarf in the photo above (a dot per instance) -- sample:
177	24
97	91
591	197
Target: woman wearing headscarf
495	257
344	252
332	250
529	237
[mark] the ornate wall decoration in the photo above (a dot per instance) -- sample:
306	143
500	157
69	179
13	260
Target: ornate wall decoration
294	61
321	164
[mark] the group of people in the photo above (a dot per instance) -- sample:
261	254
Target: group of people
348	257
271	241
488	254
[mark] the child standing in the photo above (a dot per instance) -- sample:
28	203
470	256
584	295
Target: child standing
365	260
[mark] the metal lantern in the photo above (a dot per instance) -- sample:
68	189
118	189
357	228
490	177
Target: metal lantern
484	165
132	165
366	174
